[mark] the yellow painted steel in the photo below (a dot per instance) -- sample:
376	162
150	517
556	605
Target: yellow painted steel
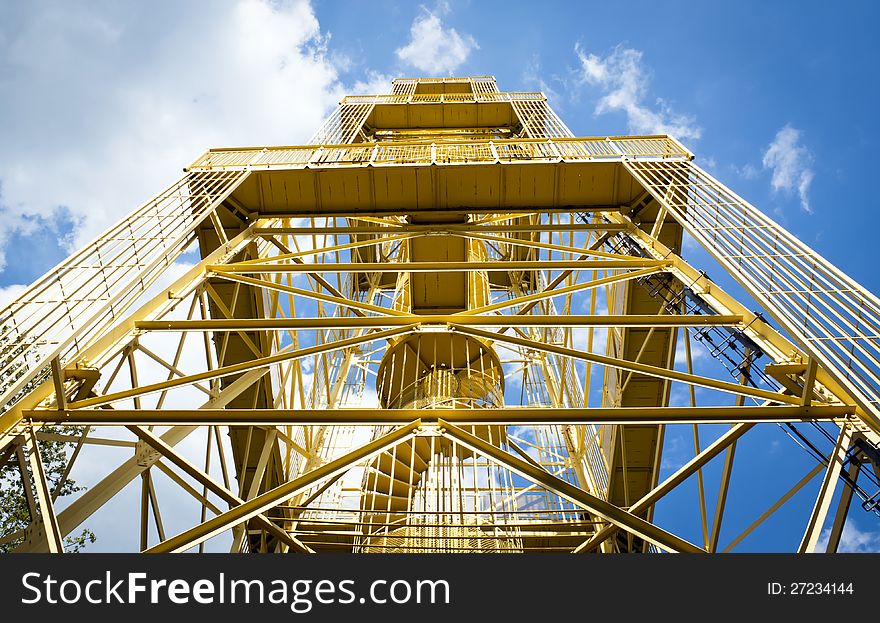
275	324
512	416
446	324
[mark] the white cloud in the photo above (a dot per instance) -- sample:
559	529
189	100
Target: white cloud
673	454
747	171
580	339
689	244
624	82
533	73
434	48
791	164
698	352
367	399
852	540
376	83
10	293
103	104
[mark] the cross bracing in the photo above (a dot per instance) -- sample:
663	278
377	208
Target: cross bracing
445	325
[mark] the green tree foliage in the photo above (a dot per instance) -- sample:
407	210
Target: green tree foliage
14	513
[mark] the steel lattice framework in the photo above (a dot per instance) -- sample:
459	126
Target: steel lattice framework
446	324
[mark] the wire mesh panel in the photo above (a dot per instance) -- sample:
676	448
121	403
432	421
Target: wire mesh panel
82	296
830	315
464	153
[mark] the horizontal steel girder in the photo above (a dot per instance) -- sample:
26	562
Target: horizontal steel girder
633	366
239	367
383	417
436	267
281	324
437	228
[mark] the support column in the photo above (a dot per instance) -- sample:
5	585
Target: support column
843	507
826	491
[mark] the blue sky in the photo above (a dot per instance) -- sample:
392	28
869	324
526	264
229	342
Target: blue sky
103	102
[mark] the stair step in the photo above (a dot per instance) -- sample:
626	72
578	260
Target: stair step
401	464
419	456
383	483
379	503
423	448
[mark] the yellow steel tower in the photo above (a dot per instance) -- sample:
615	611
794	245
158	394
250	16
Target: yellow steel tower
445	324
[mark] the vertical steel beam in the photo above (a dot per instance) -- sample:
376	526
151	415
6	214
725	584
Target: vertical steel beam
26	485
722	498
701	491
58	382
154	505
44	496
145	514
726	471
809	382
826	491
843	507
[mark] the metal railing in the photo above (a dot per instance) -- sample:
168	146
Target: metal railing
441	388
539	120
86	293
343	125
399	153
447	80
444	98
828	314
